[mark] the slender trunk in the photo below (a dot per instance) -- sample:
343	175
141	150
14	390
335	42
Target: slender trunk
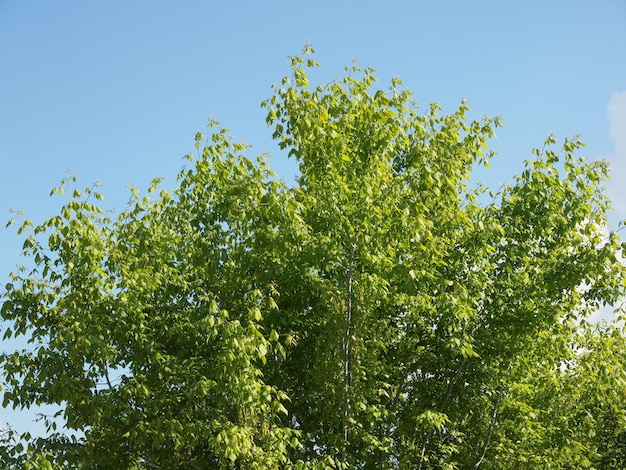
492	424
346	358
442	408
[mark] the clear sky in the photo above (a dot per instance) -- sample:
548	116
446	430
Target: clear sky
115	91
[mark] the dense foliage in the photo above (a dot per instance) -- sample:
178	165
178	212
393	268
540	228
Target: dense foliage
380	313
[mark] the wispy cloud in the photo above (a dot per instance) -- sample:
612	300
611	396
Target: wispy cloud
617	159
616	187
605	312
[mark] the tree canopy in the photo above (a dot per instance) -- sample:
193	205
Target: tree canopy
384	311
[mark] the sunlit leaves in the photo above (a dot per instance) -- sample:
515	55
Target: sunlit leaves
384	312
466	286
152	349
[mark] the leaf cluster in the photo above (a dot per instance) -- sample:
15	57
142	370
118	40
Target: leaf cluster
381	313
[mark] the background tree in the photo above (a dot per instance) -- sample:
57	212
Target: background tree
567	414
380	313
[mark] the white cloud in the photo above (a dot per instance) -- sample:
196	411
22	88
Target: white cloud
605	312
616	186
617	126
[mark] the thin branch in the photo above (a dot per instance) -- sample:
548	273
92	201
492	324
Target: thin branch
105	369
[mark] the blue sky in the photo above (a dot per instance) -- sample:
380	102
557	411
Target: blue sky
115	91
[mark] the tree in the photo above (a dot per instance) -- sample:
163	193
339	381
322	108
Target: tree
380	313
138	331
569	416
